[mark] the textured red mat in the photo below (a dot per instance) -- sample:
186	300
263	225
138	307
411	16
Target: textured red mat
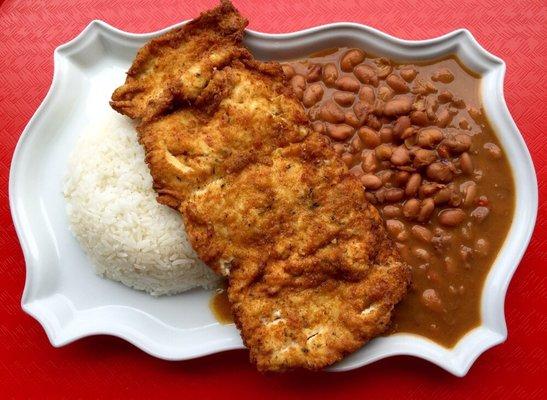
108	367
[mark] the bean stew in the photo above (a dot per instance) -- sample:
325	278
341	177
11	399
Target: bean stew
416	136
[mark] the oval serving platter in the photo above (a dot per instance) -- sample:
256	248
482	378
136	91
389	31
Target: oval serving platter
71	302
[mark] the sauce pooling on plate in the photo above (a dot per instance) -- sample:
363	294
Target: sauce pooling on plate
220	306
417	138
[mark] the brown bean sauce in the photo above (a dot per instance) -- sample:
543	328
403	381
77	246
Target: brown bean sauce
220	306
416	136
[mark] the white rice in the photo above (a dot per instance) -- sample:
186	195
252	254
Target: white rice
113	213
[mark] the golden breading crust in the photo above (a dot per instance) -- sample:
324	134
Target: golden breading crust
174	68
266	202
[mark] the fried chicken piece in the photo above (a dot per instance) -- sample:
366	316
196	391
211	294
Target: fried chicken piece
312	275
175	67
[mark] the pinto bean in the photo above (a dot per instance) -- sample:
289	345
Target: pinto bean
427	208
408	74
339	131
351	119
466	232
394	227
464	124
458	103
466	253
373	122
443	118
361	111
400	156
391	211
411	208
430	299
383	67
442	196
451	217
423	87
480	213
330	112
356	171
350	59
445	96
385	175
298	84
366	74
314	73
475	114
458	143
383	152
419	118
407	136
330	74
397	83
381	195
369	162
394	195
370	138
371	198
385	93
398	106
419	103
288	70
339	148
312	95
422	254
347	158
482	247
371	181
429	189
431	106
429	137
466	164
422	233
319	127
439	172
356	144
401	178
470	192
493	150
443	75
402	123
386	134
403	236
348	84
366	95
345	99
413	184
442	240
423	157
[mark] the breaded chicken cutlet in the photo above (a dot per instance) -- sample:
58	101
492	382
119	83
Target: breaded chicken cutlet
266	202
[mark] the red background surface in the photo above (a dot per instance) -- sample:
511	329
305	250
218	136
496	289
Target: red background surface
108	367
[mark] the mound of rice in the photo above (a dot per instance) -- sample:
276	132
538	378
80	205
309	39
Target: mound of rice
113	213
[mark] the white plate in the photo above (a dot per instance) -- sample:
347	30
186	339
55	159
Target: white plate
71	302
